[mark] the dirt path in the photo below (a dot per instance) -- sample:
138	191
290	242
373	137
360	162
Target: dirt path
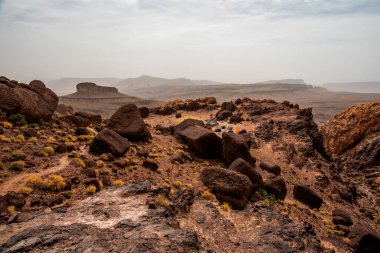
16	181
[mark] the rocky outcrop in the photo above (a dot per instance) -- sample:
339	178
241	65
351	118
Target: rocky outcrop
307	196
94	89
350	127
35	101
75	120
127	122
271	168
221	115
341	217
363	239
186	123
187	105
277	187
93	118
228	186
241	166
236	146
63	110
144	111
108	141
202	141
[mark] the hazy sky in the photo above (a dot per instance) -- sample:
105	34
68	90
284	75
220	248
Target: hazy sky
222	40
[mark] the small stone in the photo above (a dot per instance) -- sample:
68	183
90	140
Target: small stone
150	164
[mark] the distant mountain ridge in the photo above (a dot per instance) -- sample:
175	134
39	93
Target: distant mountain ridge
146	81
284	81
360	87
66	85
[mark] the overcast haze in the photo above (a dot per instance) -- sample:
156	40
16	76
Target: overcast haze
228	41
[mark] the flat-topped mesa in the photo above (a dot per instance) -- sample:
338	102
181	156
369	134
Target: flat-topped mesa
92	88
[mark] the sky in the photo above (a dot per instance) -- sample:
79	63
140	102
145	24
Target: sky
240	41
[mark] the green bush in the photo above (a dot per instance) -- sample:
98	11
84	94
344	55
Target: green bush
267	196
18	119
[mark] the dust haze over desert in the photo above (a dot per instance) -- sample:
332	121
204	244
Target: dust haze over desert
190	126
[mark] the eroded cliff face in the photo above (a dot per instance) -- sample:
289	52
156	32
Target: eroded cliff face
348	128
92	88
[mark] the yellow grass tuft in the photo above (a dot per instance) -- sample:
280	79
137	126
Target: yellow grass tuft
208	195
91	189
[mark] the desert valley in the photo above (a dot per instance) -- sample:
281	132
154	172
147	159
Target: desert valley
190	126
102	171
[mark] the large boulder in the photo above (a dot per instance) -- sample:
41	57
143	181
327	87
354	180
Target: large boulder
236	146
241	166
144	111
277	187
93	118
271	168
108	141
230	106
15	199
221	115
127	122
363	239
305	128
341	217
350	127
202	141
307	196
227	182
364	155
237	203
35	101
186	123
63	110
75	120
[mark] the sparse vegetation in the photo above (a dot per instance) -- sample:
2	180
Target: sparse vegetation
162	200
270	198
49	150
7	124
208	195
4	138
55	182
51	140
100	164
104	157
91	189
11	209
226	207
26	190
34	181
79	162
17	119
17	165
118	182
18	155
7	149
85	137
177	184
33	139
19	138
